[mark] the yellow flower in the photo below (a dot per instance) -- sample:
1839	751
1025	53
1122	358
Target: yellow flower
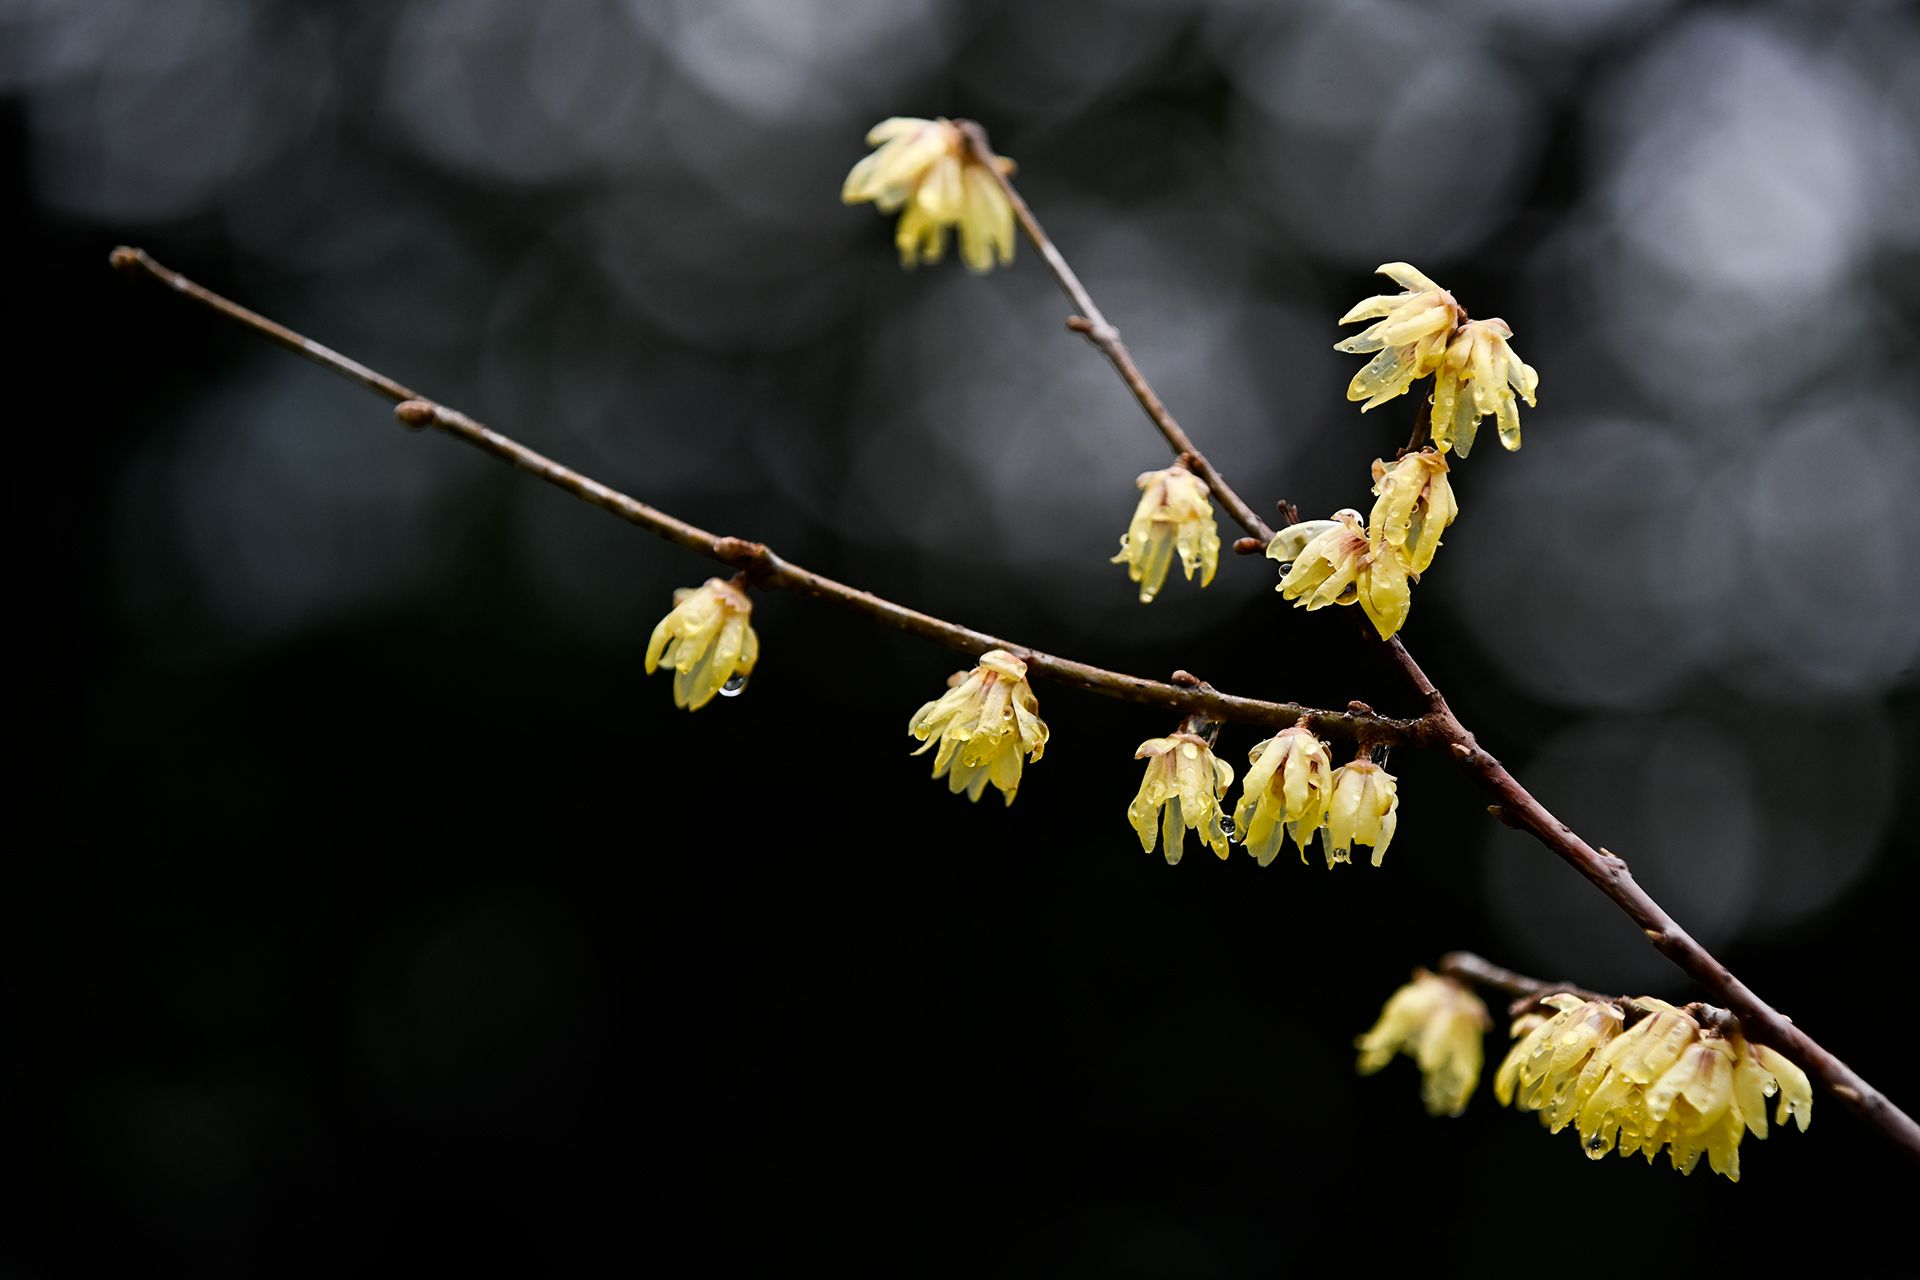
1666	1082
1438	1023
1363	809
925	171
1758	1074
1410	333
1414	504
706	640
1182	789
1173	515
1479	376
1285	793
985	721
1543	1069
1336	566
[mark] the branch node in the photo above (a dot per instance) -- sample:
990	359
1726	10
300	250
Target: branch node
1504	816
1093	330
416	414
1462	750
1657	937
750	557
124	258
1248	546
1188	680
1289	514
1359	708
1846	1092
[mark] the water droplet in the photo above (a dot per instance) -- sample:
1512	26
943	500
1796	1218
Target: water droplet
1226	826
734	687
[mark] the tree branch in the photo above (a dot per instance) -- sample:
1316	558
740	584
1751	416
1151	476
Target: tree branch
1513	804
1186	695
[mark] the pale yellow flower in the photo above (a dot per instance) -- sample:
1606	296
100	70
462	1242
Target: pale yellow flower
925	172
1285	793
1181	792
1480	375
707	642
1543	1068
1337	566
1363	809
1439	1024
1664	1083
983	724
1758	1074
1173	516
1413	505
1410	332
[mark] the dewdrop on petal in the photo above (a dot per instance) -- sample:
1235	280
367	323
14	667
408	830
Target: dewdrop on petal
1760	1073
1439	1024
1410	333
924	171
985	722
1480	375
1413	506
707	641
1181	792
1364	808
1173	517
1285	793
1339	567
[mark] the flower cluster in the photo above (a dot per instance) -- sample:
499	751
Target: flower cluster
1424	331
985	722
924	171
1173	516
707	641
1439	1024
1667	1081
1181	792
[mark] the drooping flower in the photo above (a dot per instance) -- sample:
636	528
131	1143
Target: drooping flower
983	724
1173	515
1480	375
707	641
1181	792
1363	809
924	171
1410	332
1285	793
1758	1074
1543	1069
1439	1024
1337	566
1667	1082
1413	505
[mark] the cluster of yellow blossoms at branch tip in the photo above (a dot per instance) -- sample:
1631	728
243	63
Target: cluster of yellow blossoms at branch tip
1424	331
925	172
1667	1081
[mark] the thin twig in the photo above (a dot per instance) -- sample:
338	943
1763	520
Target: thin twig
1468	967
764	568
1513	804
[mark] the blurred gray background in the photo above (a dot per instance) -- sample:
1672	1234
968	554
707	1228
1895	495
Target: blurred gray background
1685	611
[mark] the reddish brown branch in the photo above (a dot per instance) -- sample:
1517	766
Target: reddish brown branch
762	567
1516	806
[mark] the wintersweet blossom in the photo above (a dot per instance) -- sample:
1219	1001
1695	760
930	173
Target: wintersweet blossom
1480	375
707	641
1410	333
1363	809
985	722
924	171
1667	1082
1413	506
1337	566
1285	793
1181	792
1173	516
1439	1024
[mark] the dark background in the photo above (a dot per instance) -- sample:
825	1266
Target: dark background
371	908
